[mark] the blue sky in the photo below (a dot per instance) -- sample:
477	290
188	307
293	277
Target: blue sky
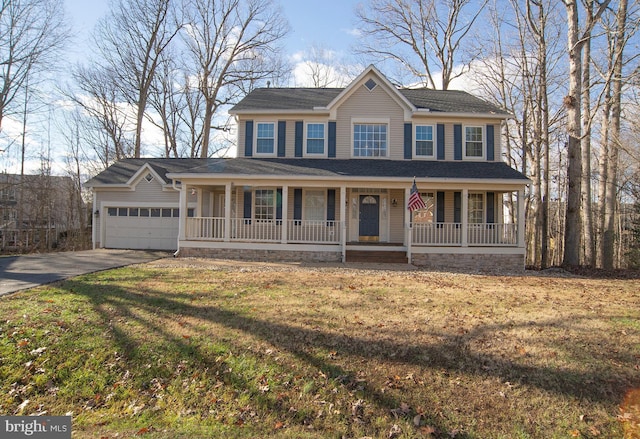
325	23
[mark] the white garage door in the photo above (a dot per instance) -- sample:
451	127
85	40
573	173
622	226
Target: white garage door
142	228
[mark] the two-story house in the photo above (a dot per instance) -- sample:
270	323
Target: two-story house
325	175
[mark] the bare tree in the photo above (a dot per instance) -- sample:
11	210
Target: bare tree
231	44
610	154
106	120
575	42
32	33
323	68
424	37
131	41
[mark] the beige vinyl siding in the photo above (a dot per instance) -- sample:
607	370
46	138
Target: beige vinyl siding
396	216
448	207
362	105
144	193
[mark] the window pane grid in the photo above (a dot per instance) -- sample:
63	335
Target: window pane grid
315	138
370	140
265	138
476	209
473	141
424	140
264	204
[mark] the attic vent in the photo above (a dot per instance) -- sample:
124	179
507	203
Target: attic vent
148	177
370	84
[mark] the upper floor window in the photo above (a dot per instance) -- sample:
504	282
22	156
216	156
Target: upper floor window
476	208
370	140
315	138
474	145
265	138
424	141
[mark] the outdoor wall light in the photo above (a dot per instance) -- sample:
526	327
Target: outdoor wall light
96	213
394	202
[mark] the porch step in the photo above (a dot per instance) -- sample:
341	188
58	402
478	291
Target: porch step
377	256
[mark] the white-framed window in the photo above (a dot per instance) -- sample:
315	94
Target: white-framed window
425	141
370	139
428	214
473	142
264	204
316	139
314	205
265	138
476	208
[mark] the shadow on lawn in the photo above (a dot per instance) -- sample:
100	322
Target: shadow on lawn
452	354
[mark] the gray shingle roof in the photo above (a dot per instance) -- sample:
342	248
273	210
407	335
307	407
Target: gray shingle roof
122	171
306	99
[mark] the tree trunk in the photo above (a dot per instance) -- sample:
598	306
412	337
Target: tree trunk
587	216
573	224
609	236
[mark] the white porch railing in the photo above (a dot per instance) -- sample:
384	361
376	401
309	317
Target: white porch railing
492	234
212	229
205	228
326	232
329	232
437	234
486	234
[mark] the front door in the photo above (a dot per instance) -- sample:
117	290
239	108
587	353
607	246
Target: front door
369	217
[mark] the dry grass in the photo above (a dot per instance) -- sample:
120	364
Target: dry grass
195	348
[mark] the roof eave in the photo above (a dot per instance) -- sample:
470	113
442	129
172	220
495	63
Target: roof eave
501	116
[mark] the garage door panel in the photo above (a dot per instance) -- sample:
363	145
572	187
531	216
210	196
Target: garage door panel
142	233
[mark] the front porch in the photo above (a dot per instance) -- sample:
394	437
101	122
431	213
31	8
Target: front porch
270	222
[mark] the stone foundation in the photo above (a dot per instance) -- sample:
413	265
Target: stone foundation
262	255
469	262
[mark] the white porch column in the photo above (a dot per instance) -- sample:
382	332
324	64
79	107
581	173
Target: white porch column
285	214
95	218
465	218
521	218
227	212
343	222
408	232
182	220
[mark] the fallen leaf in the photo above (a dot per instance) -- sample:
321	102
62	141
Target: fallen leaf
22	343
278	425
143	430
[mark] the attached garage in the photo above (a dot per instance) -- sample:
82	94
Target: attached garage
141	228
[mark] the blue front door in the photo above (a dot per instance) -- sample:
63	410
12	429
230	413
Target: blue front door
369	217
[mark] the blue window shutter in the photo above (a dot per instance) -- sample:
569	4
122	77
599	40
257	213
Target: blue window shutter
440	207
490	143
457	207
297	204
491	217
408	141
248	138
331	205
457	142
279	204
332	139
440	140
282	130
247	204
299	128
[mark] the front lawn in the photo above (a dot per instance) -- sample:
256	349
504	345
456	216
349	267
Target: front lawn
202	349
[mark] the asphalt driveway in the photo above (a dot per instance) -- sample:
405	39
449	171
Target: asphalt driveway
22	272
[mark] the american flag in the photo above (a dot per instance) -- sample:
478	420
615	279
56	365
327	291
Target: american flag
415	200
